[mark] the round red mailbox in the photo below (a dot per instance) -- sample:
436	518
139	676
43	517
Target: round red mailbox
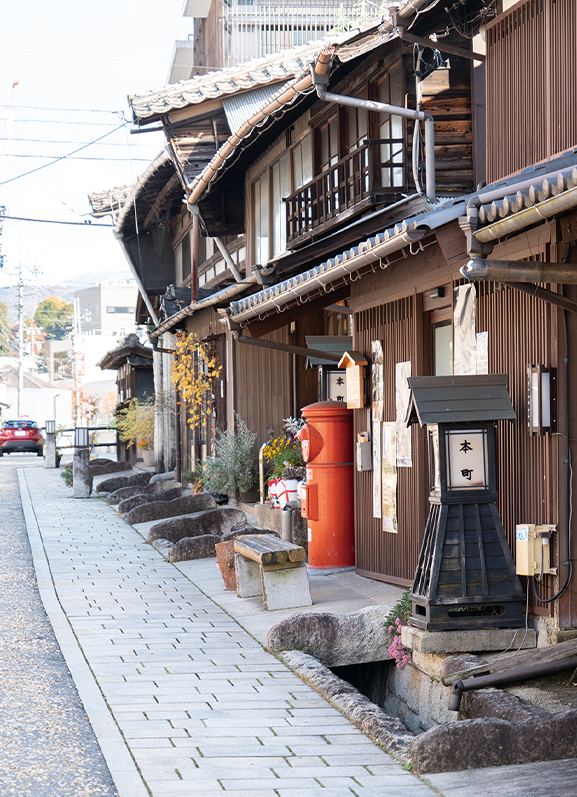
327	444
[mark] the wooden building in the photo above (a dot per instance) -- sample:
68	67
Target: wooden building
134	379
340	218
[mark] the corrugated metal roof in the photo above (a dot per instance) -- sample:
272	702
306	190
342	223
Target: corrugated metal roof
240	107
459	399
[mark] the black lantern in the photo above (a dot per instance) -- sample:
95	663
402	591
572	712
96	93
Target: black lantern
466	576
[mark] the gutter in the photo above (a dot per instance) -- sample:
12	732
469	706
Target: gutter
275	301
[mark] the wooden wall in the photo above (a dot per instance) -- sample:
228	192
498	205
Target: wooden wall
392	306
531	85
263	385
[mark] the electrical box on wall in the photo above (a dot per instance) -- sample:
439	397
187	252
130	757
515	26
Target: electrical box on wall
364	456
533	549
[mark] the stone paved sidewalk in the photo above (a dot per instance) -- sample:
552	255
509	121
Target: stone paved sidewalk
182	699
48	746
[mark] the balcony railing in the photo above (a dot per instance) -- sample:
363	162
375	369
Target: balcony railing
367	175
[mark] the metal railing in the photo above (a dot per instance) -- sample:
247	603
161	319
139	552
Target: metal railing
65	437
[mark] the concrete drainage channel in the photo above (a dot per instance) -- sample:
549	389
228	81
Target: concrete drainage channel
492	728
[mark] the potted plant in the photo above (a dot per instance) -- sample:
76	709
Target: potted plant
231	469
285	458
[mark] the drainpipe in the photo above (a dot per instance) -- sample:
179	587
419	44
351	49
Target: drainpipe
479	268
508	677
194	258
120	238
320	76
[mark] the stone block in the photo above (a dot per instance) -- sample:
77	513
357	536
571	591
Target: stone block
286	589
248	580
466	641
335	639
491	742
207	520
127	492
100	466
139	499
116	482
164	509
189	548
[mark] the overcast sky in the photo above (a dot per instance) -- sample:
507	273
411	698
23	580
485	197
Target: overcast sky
66	69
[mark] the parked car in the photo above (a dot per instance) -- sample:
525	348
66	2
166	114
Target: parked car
21	436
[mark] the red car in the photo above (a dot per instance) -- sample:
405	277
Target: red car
20	436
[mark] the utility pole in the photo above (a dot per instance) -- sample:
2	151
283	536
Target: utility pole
20	337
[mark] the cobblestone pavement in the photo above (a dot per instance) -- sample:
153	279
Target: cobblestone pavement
202	708
48	747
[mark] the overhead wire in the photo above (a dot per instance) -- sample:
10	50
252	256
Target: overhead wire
63	157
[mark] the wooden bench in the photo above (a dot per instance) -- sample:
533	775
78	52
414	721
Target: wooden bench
274	568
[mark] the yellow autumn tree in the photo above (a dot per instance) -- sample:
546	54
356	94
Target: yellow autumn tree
194	373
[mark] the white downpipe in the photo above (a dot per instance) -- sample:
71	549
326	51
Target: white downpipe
391	110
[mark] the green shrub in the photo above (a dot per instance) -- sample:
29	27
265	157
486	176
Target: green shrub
231	469
66	474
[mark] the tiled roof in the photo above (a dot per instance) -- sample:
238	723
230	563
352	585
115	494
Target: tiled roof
110	201
270	69
529	197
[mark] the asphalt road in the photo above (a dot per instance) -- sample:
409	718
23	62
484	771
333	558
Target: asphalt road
47	745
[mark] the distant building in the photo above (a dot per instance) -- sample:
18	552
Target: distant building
229	32
107	308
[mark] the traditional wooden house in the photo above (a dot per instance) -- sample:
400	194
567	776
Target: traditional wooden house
359	190
134	379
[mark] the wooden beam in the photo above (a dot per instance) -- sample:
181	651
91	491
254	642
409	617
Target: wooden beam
564	650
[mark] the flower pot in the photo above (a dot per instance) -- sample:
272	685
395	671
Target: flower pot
148	457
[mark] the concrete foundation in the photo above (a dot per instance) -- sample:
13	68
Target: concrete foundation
467	641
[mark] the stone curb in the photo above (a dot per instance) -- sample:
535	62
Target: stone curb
386	731
120	763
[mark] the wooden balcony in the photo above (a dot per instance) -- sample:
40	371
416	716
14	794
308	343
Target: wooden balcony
371	174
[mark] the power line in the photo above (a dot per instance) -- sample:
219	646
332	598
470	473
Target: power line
72	141
61	122
70	158
57	160
52	221
50	108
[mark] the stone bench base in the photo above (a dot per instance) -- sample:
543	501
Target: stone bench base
282	586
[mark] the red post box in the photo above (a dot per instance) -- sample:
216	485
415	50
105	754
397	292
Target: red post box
327	445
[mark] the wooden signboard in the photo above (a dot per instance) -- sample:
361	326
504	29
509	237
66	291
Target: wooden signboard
355	363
